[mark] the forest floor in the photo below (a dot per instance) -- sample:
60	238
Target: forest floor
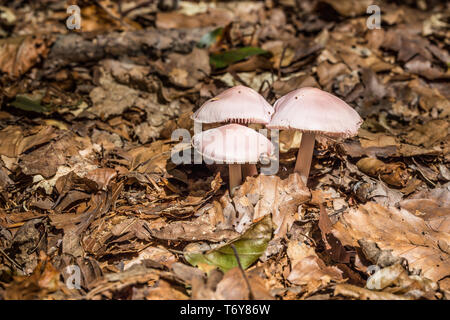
92	207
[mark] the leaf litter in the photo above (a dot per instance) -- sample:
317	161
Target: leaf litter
87	181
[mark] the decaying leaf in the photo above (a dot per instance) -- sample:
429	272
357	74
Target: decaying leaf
308	270
393	173
395	279
355	292
402	232
250	246
222	60
92	118
19	54
349	7
234	287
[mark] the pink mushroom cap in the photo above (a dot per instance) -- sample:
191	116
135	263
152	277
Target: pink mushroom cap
314	110
237	104
232	143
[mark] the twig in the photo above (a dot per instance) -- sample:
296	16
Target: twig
237	78
176	251
140	5
281	61
11	260
262	85
30	251
250	293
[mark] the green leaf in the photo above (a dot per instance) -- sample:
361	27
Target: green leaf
31	102
222	60
249	246
211	37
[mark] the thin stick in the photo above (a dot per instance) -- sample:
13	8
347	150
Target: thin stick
18	266
235	175
304	156
142	4
250	293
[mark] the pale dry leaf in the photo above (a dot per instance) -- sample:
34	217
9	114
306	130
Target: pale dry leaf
402	232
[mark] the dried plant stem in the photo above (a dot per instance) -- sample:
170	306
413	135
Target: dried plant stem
250	292
304	156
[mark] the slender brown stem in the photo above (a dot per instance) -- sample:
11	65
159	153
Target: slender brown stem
249	170
235	175
11	260
251	296
304	156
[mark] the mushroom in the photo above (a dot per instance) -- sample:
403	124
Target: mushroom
234	145
313	111
238	104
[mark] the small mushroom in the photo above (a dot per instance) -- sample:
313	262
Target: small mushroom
232	144
238	104
313	111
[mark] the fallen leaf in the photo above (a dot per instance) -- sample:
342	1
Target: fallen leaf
428	134
250	246
395	279
222	60
185	70
19	54
351	291
349	8
402	232
392	173
176	20
308	270
234	287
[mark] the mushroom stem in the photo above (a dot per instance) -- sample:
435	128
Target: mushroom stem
249	170
304	156
235	175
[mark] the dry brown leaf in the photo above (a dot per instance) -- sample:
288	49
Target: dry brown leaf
165	291
307	269
396	279
199	229
328	72
405	234
270	195
15	142
234	287
433	206
313	272
333	247
349	8
19	54
392	173
185	70
40	284
102	177
429	134
177	20
351	291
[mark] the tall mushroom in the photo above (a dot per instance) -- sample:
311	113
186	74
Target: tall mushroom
232	144
313	111
238	104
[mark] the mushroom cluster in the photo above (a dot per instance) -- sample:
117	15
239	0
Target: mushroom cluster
309	110
234	144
